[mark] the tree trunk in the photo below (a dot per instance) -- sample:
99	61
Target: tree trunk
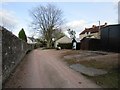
49	44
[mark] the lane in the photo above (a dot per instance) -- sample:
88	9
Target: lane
44	69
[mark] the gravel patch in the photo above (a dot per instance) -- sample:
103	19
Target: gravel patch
85	54
87	70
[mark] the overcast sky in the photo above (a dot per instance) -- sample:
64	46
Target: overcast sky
78	15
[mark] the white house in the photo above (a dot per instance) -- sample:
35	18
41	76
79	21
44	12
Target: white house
64	39
93	32
31	40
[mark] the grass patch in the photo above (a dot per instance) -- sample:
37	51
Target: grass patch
99	65
109	80
70	61
71	52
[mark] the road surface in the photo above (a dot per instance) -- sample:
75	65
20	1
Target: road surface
45	69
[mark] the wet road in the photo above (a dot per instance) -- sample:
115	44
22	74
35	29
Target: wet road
45	69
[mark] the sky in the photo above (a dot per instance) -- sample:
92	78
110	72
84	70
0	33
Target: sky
77	15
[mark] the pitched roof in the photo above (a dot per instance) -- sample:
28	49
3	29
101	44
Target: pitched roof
94	29
31	38
64	39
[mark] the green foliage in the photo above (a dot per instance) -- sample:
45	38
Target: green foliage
22	35
109	80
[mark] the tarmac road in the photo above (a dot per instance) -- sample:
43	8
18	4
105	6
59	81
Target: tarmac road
45	69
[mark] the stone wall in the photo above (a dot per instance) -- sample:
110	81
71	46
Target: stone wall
13	50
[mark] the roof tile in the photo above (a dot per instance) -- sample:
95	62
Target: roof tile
94	29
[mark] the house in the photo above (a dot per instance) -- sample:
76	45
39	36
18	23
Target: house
67	43
90	37
63	40
31	40
109	40
93	32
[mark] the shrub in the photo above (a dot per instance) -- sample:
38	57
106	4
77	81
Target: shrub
65	45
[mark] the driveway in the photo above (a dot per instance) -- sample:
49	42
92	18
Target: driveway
45	69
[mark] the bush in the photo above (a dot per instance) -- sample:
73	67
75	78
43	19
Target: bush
65	45
68	46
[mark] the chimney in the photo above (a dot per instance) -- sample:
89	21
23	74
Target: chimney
99	25
93	26
105	24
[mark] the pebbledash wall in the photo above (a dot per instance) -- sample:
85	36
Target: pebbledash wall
13	50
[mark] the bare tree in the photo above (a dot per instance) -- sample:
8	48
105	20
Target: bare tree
47	19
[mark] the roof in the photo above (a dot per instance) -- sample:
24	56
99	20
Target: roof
112	25
87	38
94	29
31	40
64	39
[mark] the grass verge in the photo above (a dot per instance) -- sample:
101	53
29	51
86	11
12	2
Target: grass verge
109	80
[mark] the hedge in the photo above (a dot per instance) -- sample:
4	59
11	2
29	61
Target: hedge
65	45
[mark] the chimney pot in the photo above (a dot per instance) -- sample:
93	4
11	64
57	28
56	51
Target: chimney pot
93	26
105	23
